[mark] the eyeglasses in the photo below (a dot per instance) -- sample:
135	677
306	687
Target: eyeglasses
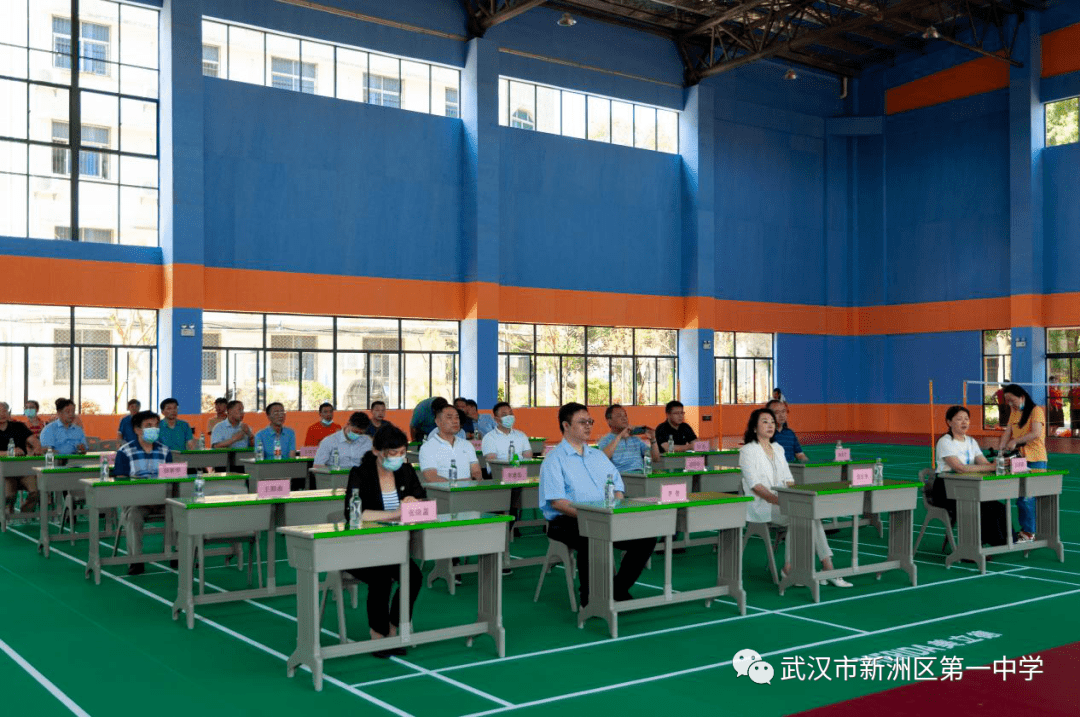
586	422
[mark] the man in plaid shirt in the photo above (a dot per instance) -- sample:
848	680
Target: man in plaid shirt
140	459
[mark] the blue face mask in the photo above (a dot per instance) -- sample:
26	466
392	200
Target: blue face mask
507	421
392	463
326	422
151	433
350	436
31	412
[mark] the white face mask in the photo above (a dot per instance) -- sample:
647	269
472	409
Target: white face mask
507	421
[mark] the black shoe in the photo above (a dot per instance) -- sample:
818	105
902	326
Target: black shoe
398	651
508	571
832	531
383	654
174	564
136	569
678	551
584	601
623	597
458	580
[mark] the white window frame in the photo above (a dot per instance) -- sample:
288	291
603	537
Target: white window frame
89	64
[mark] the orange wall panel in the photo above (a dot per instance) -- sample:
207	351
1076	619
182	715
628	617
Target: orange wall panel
81	283
1061	51
970	78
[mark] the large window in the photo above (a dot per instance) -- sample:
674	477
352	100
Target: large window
744	367
101	358
527	105
110	124
247	54
1062	369
302	361
546	365
1063	122
997	371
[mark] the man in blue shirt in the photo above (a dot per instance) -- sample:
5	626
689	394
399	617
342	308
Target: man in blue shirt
63	435
125	432
784	435
626	451
232	432
486	423
140	459
574	473
175	434
276	431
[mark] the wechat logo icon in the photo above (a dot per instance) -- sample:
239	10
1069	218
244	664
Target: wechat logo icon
748	663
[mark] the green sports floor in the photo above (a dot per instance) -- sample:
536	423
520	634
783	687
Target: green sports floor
68	646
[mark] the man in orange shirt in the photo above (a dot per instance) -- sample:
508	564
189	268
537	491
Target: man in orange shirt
322	428
1055	414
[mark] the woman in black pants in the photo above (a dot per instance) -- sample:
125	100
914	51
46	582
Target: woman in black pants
385	481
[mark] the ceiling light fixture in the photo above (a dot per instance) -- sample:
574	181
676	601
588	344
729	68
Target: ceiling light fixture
931	33
567	20
791	74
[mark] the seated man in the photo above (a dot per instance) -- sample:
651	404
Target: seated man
574	473
784	435
352	442
124	432
322	428
276	432
423	417
378	417
484	424
232	432
25	444
626	451
462	404
496	444
445	446
675	428
221	407
63	435
140	459
174	433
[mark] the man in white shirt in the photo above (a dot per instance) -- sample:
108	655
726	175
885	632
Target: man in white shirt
351	443
444	446
496	444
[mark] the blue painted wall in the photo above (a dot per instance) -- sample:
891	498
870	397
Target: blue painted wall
1061	217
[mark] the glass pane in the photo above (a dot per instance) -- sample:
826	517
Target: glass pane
555	339
94	389
244	368
622	123
547	381
12	108
548	111
667	131
138	126
644	127
246	51
723	343
99	213
522	105
385	379
138	36
418	378
599	119
1057	341
573	115
138	216
124	327
318	68
656	342
646	382
13	29
50	207
352	382
317	370
232	330
1062	125
133	380
599	382
213	378
998	341
215	36
300	332
12	204
573	379
753	345
351	75
139	82
384	81
47	104
100	117
367	334
34	324
665	380
415	86
429	335
13	60
762	381
283	62
11	378
622	381
445	92
744	374
138	172
725	380
444	375
283	378
504	103
519	380
516	338
49	377
608	340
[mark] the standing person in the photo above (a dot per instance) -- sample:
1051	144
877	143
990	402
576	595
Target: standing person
276	432
423	417
958	452
32	409
574	472
784	435
675	428
1026	430
221	407
1074	409
26	444
140	459
64	435
232	432
1003	407
323	427
125	433
173	432
1055	405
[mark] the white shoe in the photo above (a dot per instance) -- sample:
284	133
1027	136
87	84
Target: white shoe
839	582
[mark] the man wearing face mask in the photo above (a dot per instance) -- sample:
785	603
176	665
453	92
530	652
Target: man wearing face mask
496	444
36	425
325	426
351	443
140	459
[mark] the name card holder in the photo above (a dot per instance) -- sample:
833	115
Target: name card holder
515	475
171	470
673	493
842	454
548	449
308	451
273	488
476	443
862	476
701	446
1018	465
695	463
423	511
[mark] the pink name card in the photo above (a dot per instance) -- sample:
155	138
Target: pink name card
110	458
1019	465
420	511
515	475
673	493
172	470
842	454
701	446
862	476
273	488
548	449
308	451
695	463
476	443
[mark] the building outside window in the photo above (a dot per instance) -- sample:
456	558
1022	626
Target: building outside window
211	60
744	366
997	371
1063	368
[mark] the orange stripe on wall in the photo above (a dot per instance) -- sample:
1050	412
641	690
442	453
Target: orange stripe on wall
971	78
77	282
1061	51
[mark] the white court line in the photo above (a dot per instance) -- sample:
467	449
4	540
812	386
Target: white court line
43	680
822	622
455	683
940	532
1045	580
715	665
232	633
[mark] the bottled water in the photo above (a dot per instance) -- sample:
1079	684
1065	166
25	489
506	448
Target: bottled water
647	464
514	459
11	448
879	473
335	459
452	473
201	445
671	444
356	510
258	450
277	448
609	491
104	473
999	465
50	458
839	445
200	486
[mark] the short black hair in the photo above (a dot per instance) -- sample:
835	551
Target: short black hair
270	406
167	401
219	401
233	404
388	438
376	403
566	413
471	403
462	399
497	406
62	403
951	414
360	420
37	406
142	417
610	410
437	404
436	412
671	406
775	400
750	435
134	402
324	404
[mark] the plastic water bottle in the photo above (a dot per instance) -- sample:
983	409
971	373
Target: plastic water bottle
104	473
452	473
609	491
647	464
258	450
200	486
11	448
277	448
50	458
671	444
514	459
201	445
999	465
879	473
356	510
335	459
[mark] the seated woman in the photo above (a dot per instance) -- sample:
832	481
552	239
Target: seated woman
385	481
764	468
960	453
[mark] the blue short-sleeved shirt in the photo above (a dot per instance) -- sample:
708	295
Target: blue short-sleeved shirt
266	438
628	454
224	431
486	424
577	478
790	442
175	438
126	431
62	440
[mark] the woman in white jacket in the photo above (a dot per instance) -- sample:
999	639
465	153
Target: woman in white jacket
765	468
